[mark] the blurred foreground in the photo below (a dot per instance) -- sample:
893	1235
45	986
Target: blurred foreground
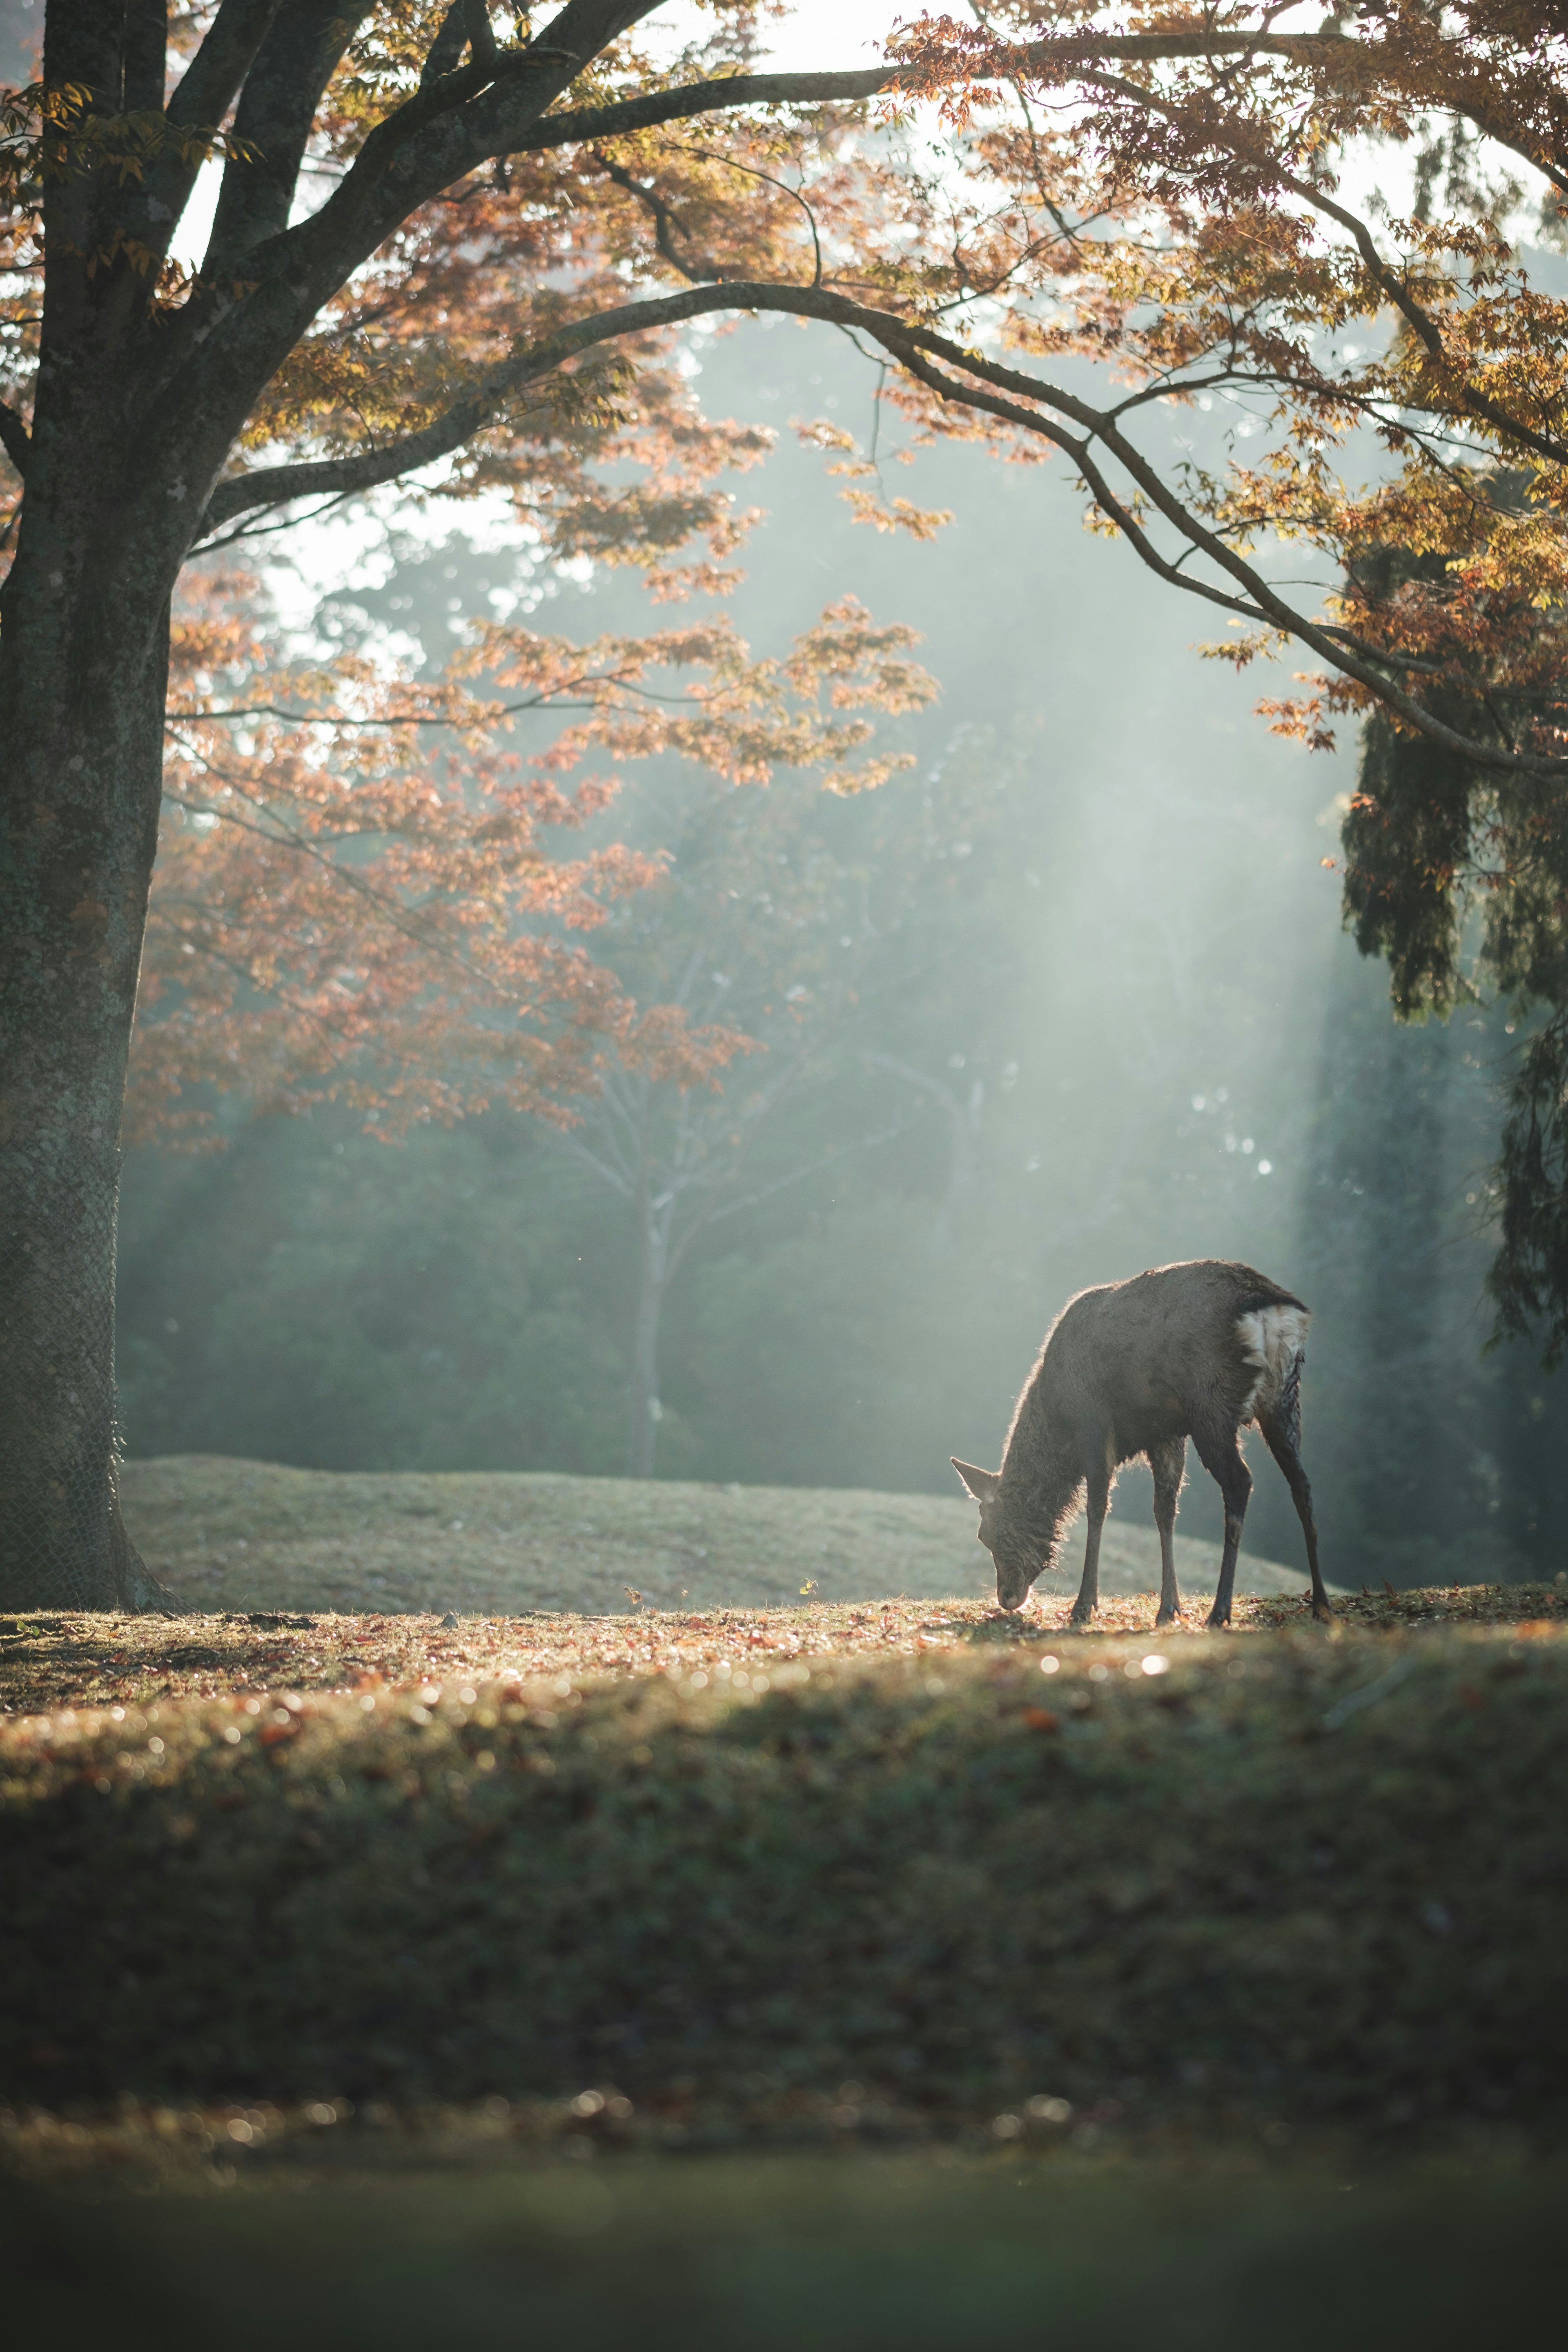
833	2250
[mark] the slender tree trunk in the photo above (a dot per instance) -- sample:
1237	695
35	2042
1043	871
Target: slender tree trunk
81	719
965	1124
653	1275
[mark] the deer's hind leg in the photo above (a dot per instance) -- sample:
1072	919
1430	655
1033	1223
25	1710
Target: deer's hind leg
1169	1464
1219	1451
1281	1427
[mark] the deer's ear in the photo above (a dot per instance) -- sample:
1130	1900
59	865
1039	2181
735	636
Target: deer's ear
980	1483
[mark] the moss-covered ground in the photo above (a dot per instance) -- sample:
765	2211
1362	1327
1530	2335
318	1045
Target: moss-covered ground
1005	1943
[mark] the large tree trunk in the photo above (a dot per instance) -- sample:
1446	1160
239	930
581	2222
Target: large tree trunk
82	720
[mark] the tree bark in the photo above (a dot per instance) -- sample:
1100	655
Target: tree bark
82	713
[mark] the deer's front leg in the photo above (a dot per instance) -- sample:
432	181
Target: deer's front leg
1169	1465
1088	1600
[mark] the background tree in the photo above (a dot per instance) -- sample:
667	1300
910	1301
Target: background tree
762	925
336	917
343	910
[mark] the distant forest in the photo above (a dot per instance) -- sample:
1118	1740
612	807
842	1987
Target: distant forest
1069	999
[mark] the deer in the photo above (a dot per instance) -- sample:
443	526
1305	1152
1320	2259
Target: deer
1132	1370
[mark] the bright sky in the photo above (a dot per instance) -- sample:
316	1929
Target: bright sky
827	33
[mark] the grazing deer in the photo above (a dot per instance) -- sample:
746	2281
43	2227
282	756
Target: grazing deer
1137	1368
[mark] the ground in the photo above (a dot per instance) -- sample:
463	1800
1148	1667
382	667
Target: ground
469	1926
250	1535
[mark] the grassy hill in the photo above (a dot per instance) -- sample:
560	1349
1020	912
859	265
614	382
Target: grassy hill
229	1534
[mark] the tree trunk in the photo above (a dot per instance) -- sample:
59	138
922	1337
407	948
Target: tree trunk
81	719
965	1122
645	1412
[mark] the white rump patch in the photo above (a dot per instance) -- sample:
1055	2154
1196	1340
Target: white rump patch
1273	1339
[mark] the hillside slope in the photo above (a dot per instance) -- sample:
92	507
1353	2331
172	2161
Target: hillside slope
254	1535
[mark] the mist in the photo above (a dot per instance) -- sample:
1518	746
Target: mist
1101	1016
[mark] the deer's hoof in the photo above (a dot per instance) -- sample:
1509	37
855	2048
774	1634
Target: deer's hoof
1217	1624
1167	1617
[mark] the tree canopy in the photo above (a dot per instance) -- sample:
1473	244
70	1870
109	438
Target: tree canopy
435	242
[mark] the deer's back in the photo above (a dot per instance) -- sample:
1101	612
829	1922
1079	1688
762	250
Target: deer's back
1156	1355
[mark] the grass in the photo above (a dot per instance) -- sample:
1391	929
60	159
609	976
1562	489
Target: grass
250	1535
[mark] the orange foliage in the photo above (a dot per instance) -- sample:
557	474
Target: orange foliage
1162	190
356	896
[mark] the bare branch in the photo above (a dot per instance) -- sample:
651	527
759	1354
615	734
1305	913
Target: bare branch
667	222
798	1175
446	51
614	1178
278	106
207	88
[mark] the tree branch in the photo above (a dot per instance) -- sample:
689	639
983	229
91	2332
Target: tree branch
201	98
1419	320
798	1175
729	92
625	1185
211	357
667	222
940	1094
1267	605
724	94
480	32
339	477
14	438
446	51
1056	62
1316	51
276	108
462	120
210	83
964	377
143	48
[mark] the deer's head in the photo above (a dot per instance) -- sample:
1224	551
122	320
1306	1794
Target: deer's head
1016	1552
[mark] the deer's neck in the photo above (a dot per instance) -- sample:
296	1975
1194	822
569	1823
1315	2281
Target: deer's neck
1040	1478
